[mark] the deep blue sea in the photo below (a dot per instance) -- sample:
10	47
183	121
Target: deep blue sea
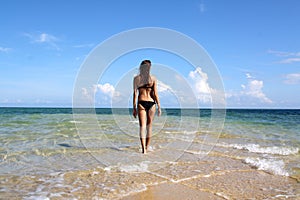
40	147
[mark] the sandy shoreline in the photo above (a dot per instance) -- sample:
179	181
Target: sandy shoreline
232	185
213	177
218	178
172	191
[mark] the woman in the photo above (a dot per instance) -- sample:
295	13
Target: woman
146	96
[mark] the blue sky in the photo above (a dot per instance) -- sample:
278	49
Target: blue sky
254	44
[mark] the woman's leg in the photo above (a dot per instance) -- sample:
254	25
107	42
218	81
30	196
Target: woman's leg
142	121
150	117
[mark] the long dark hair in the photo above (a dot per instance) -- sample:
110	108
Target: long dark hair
145	72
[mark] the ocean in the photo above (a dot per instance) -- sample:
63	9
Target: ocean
65	153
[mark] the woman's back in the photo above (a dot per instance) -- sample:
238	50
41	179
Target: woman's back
146	91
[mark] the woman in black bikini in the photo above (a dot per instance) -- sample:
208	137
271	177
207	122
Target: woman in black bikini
145	93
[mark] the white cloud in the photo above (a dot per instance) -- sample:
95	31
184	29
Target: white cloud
169	93
43	38
284	53
101	94
46	38
248	75
162	87
199	81
4	101
11	101
5	50
251	94
289	57
202	7
42	101
254	89
289	60
292	78
106	89
84	45
87	94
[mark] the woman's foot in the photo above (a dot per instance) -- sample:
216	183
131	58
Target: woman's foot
150	149
144	151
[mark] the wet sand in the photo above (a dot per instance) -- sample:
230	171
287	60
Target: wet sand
234	185
172	191
243	185
219	178
211	177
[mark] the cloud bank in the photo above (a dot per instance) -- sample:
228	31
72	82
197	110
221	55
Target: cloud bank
251	94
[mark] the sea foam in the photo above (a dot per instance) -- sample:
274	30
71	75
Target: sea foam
141	167
269	165
255	148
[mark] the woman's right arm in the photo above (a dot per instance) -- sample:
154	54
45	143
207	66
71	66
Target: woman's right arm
156	97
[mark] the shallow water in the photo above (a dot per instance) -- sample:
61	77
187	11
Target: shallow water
51	153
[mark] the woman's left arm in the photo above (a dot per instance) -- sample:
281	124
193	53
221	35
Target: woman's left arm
134	112
156	97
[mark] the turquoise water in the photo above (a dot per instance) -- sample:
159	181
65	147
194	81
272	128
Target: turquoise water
47	141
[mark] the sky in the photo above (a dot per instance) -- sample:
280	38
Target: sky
254	45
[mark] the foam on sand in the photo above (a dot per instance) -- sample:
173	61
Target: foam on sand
269	165
256	148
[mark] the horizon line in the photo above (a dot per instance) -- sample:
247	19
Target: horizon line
226	108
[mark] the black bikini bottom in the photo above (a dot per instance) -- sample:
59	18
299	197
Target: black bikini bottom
147	105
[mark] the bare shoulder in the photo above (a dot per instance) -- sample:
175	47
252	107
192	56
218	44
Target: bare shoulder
136	78
153	78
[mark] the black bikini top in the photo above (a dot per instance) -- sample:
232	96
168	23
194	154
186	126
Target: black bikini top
146	86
